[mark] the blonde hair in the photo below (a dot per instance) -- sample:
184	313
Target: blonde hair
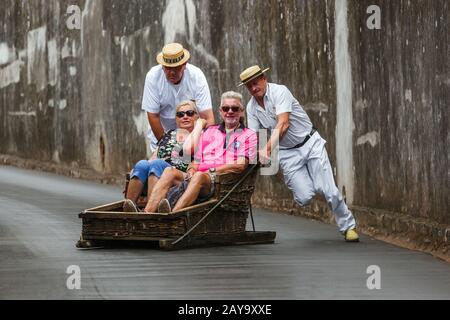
188	103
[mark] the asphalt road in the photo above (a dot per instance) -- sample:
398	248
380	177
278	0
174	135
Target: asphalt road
39	227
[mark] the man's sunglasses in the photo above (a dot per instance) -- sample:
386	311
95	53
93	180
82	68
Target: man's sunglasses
189	113
233	108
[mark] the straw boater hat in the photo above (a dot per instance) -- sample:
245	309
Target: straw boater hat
173	55
250	74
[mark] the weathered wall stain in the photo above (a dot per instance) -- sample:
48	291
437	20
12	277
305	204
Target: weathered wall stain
371	137
10	74
379	97
344	114
37	57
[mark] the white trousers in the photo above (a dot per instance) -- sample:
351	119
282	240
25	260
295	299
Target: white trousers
307	171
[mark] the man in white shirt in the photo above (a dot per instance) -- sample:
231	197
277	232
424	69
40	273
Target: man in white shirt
172	81
302	154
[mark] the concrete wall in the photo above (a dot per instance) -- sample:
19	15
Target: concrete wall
379	97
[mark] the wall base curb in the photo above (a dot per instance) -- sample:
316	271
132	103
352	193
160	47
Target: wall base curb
396	228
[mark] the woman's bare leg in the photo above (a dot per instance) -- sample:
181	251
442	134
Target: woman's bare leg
135	187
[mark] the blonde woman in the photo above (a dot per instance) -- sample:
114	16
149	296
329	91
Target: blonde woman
173	150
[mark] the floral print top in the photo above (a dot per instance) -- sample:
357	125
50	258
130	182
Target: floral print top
170	150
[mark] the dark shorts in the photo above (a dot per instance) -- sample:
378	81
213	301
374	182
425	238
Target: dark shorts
176	192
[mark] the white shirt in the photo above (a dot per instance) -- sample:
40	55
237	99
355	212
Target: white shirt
278	99
161	96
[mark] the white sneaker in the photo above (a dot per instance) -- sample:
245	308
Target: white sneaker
130	206
164	206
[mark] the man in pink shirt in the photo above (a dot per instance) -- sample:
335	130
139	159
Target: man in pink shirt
225	148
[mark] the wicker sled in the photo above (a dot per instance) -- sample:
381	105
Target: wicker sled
221	220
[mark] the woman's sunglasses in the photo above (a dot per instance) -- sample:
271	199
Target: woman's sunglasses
233	108
189	113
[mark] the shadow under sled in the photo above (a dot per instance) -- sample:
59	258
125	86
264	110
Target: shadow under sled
221	220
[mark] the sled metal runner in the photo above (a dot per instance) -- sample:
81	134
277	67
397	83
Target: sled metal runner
221	220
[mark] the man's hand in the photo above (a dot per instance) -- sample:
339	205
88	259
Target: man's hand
201	122
189	173
208	115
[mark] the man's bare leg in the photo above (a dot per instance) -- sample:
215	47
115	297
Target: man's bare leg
169	178
200	184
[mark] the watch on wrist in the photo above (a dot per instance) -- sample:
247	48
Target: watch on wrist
212	174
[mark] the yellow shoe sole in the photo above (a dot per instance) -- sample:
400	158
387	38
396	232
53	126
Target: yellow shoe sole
351	236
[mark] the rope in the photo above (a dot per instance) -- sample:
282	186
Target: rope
251	213
215	207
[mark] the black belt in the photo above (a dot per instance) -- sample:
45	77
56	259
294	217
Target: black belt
304	141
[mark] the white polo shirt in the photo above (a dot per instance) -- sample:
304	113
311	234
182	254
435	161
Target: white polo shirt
278	99
161	96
